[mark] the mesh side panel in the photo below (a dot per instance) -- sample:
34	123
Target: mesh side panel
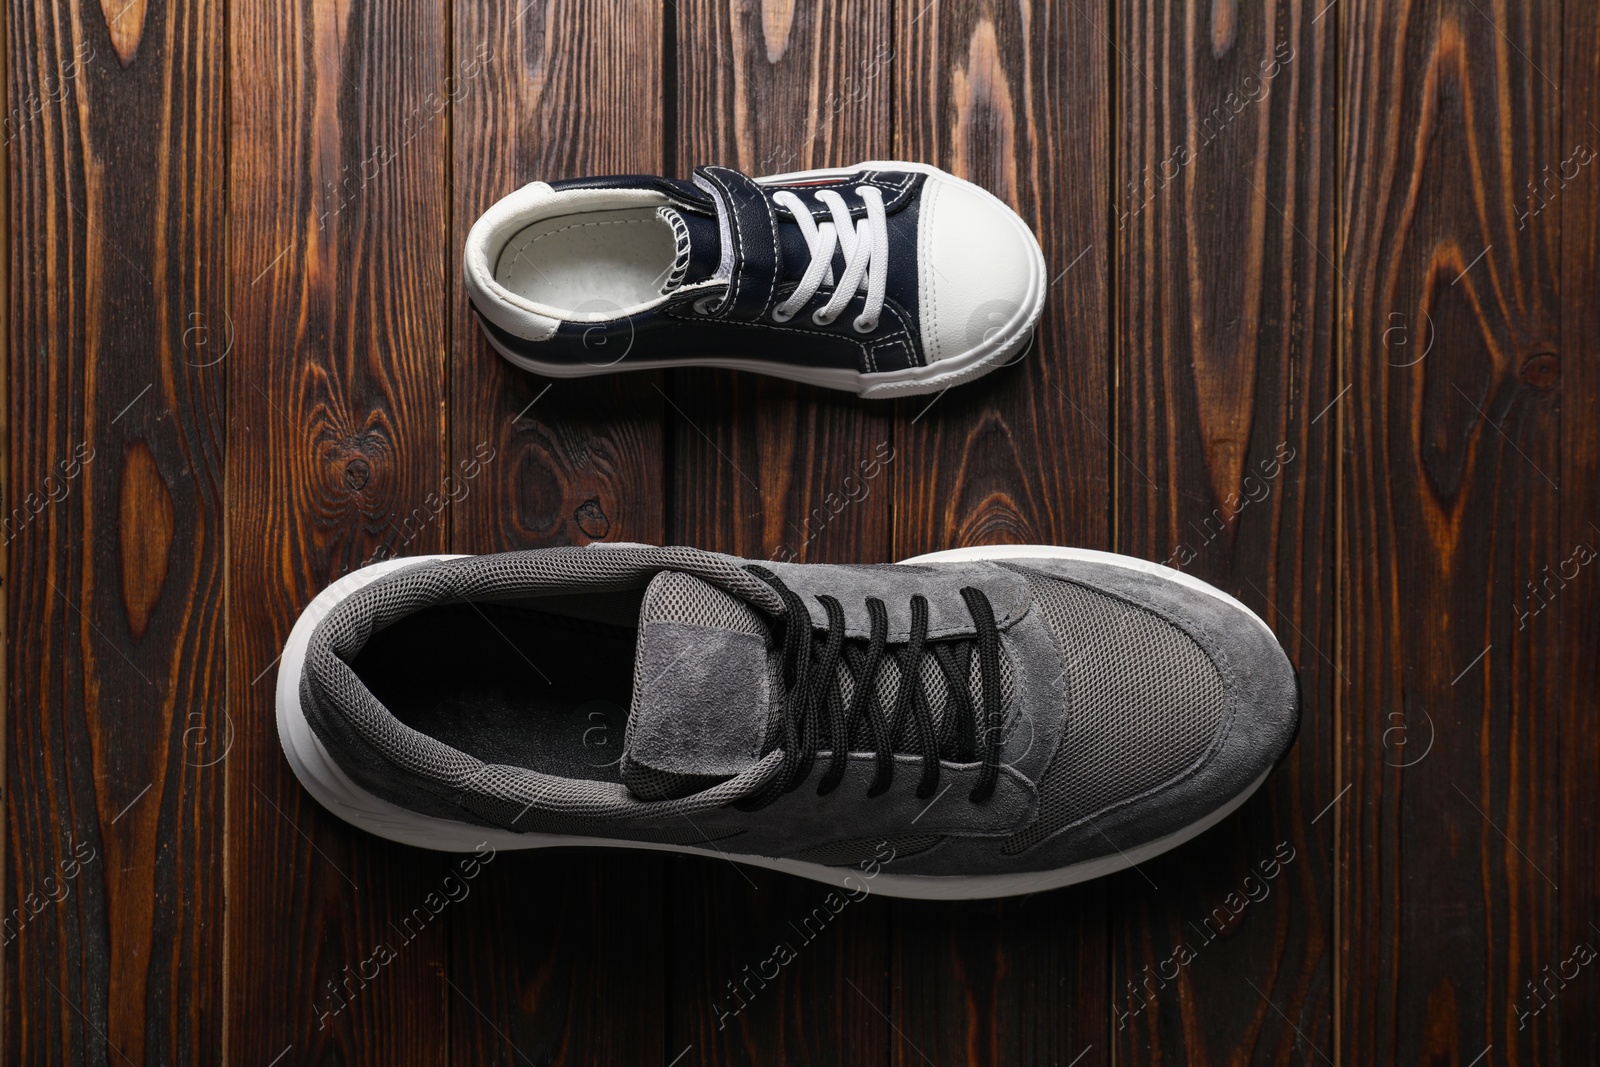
937	688
1146	705
851	853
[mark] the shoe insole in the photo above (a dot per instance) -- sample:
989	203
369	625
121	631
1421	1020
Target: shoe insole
591	263
508	684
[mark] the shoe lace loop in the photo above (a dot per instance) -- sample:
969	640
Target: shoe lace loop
816	716
864	244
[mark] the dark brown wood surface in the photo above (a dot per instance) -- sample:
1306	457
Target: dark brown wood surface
1453	507
580	462
336	453
1322	329
1224	224
766	469
1017	100
1577	630
115	532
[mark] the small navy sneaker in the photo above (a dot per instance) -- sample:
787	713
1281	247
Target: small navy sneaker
884	279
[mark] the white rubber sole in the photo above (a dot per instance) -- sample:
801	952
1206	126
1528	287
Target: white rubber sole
334	790
1003	345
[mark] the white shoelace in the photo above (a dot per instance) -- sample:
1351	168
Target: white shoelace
865	245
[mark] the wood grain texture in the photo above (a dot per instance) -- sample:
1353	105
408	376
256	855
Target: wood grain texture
1451	507
767	969
558	958
1577	365
566	93
114	797
1224	229
1321	329
336	435
1017	98
765	469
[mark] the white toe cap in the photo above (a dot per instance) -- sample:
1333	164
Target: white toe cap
981	271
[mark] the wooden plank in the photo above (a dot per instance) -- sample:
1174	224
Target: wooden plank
1451	506
1017	99
554	967
1574	370
1224	225
768	469
115	732
765	469
336	428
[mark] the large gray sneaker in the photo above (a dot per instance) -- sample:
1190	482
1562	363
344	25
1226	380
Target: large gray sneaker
1016	718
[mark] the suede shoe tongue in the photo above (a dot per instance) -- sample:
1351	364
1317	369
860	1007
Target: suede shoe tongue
703	689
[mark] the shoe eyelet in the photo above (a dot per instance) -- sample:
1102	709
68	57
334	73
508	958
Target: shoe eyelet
864	325
702	306
823	320
778	316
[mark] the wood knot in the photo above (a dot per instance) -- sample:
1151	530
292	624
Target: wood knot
591	520
356	474
125	21
1541	371
146	526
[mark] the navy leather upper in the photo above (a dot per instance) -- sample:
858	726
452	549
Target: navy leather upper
769	257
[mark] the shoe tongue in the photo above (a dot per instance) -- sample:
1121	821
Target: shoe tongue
708	679
699	246
710	242
703	688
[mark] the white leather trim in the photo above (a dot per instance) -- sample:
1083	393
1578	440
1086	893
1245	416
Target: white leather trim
978	267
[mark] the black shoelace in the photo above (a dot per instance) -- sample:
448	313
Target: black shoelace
815	715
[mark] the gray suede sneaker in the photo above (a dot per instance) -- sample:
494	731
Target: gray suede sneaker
1014	718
